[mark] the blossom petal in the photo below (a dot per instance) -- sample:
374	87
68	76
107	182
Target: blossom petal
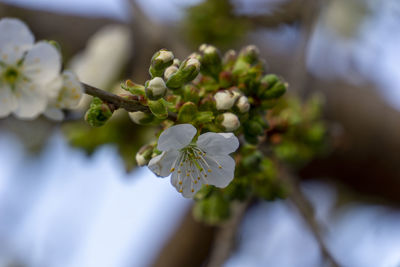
32	100
8	102
42	63
189	184
218	143
54	114
15	40
71	91
161	165
176	137
220	177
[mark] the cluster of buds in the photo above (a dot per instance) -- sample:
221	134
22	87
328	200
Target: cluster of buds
217	93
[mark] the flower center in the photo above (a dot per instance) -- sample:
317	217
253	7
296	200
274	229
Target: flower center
11	75
193	164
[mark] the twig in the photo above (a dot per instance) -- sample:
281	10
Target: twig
306	211
224	241
117	101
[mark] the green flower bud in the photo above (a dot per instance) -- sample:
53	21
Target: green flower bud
158	108
228	121
155	88
98	113
140	117
240	68
211	63
143	156
250	54
133	88
160	61
187	72
277	90
252	127
229	59
187	112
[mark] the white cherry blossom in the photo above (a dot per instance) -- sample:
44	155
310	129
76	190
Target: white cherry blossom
67	98
192	164
26	71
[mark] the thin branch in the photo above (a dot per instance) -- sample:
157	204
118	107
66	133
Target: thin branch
117	101
306	211
224	242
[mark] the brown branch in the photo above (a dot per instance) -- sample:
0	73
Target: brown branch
117	101
306	211
224	242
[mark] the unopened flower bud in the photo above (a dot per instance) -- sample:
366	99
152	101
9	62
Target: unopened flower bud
160	61
169	71
276	91
140	117
243	104
156	88
229	58
195	55
187	72
158	108
176	62
229	121
144	155
98	113
250	54
225	99
165	56
211	63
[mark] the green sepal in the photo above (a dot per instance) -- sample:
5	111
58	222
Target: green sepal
211	64
98	113
187	112
204	117
133	88
157	66
277	90
158	108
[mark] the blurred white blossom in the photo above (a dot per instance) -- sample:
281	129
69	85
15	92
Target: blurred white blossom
27	71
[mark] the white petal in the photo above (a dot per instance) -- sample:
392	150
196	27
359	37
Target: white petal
32	100
190	185
15	39
54	114
53	88
218	143
8	102
71	92
176	137
42	63
220	177
161	165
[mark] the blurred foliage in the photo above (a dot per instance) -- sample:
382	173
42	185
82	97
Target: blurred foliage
213	22
119	131
296	135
